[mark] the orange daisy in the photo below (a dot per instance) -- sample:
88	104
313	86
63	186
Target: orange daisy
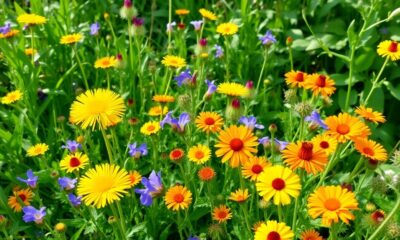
209	122
320	84
345	127
370	115
236	144
221	213
134	177
206	174
178	197
303	155
23	196
240	196
254	167
310	235
371	149
163	98
295	78
176	154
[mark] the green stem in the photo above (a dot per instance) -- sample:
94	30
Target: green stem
375	82
346	105
291	58
262	68
108	146
227	62
115	213
169	47
243	206
330	165
356	168
32	46
108	80
130	46
395	210
280	215
82	70
121	218
169	80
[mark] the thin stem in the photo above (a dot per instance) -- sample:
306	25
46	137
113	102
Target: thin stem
108	146
227	62
280	215
356	168
395	210
82	70
130	46
262	68
291	59
374	83
121	218
346	105
32	46
169	21
169	81
115	213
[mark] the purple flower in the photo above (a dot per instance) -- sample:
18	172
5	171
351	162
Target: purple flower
67	183
265	141
193	238
197	24
250	122
137	152
315	118
138	22
32	179
170	26
219	52
211	87
153	187
6	28
74	200
268	38
72	146
183	77
178	124
281	144
94	29
31	214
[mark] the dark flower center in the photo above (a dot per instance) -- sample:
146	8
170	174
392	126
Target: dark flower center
306	151
321	81
236	144
393	47
278	184
74	162
273	236
256	168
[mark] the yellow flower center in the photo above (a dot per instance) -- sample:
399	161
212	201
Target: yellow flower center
332	204
103	184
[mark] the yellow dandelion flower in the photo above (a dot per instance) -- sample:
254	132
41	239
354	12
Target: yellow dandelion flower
233	89
182	12
99	107
207	14
31	19
106	62
30	51
173	61
103	185
38	149
12	97
71	38
150	128
227	29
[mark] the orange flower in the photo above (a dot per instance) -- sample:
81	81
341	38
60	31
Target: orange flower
295	78
370	115
346	127
320	84
206	174
221	213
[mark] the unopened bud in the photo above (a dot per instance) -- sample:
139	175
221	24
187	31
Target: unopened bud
272	128
289	41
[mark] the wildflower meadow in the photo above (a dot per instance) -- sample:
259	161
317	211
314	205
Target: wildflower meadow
194	120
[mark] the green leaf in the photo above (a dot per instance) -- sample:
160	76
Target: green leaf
395	91
78	233
351	34
364	60
135	229
342	97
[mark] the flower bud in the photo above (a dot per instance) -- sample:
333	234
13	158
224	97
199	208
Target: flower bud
272	128
60	227
184	103
289	41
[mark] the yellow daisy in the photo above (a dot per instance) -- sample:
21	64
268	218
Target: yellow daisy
31	19
74	161
207	14
325	142
99	107
236	144
178	197
370	149
12	97
209	122
182	12
389	49
38	149
279	183
163	98
106	62
158	110
150	128
134	178
332	202
227	29
272	230
370	115
199	154
173	61
232	89
30	51
71	38
103	185
240	196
